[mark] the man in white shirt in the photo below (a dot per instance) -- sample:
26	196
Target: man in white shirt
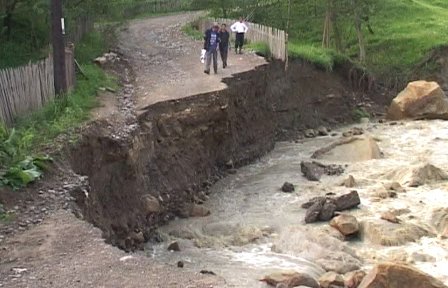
240	29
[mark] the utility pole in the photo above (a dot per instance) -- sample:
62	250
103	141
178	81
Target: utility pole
60	79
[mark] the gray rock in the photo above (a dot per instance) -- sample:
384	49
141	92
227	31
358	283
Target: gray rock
313	213
347	201
328	210
174	246
288	187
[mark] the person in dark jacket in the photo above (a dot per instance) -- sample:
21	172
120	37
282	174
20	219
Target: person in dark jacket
211	42
224	44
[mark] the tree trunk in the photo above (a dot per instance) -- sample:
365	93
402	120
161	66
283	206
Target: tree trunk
336	32
358	27
7	23
287	35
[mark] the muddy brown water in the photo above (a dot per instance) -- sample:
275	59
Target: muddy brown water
255	228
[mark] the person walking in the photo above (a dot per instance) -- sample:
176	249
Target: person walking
240	29
224	44
211	41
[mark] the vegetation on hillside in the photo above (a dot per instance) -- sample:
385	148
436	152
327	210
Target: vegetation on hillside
389	37
24	37
20	147
25	24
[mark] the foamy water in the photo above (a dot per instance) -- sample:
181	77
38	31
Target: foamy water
255	228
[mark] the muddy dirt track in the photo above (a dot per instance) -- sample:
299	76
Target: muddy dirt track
64	251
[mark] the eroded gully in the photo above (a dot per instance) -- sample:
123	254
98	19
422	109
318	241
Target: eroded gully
255	228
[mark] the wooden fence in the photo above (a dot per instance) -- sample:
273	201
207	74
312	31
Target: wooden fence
274	38
79	29
26	88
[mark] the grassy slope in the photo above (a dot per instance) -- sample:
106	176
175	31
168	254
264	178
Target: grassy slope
404	31
39	129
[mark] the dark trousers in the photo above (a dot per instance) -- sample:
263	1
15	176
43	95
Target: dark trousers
223	51
239	41
209	56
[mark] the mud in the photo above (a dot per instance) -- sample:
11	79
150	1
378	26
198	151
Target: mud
181	147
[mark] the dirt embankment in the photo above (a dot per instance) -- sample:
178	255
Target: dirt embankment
181	147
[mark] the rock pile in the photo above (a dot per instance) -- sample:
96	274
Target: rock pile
324	208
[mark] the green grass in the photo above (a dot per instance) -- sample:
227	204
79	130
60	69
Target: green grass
20	147
405	31
191	30
260	48
323	58
360	113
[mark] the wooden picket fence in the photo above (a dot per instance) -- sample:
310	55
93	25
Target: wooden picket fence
273	37
25	89
28	88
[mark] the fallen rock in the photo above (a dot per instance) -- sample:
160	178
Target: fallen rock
420	99
418	175
313	212
324	208
207	272
353	149
199	211
310	133
180	264
290	279
439	219
310	202
339	266
328	211
354	278
288	187
323	131
350	182
313	171
150	204
395	186
346	224
420	257
330	280
390	234
389	216
347	201
392	275
356	131
174	246
382	193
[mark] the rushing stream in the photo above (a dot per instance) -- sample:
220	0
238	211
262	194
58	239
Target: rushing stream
255	228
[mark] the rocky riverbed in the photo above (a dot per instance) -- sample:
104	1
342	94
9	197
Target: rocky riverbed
255	228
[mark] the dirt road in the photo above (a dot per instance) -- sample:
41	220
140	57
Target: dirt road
166	62
64	251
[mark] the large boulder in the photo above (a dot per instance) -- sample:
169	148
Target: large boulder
346	224
324	208
354	149
331	280
420	99
354	278
417	175
439	219
392	234
290	279
390	275
313	171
